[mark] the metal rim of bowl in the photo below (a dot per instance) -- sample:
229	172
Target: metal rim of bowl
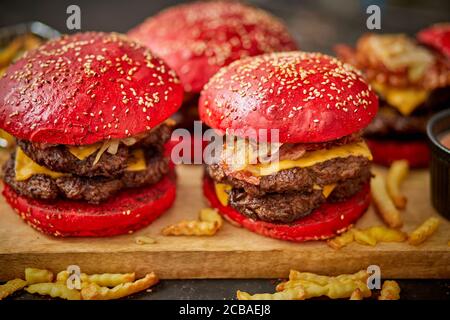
431	123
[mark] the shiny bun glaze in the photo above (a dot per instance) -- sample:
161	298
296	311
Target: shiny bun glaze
309	97
85	88
199	38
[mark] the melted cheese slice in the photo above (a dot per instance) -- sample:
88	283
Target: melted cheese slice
82	152
328	189
311	158
221	192
25	167
404	100
136	161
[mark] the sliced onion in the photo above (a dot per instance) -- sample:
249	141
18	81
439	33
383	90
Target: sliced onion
100	152
129	141
113	146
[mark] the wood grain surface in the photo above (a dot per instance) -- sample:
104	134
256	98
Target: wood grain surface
233	252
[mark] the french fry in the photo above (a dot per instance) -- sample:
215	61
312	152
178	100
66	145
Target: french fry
34	275
8	53
11	286
342	240
305	285
103	280
317	285
208	224
396	174
383	203
383	234
370	236
356	295
390	291
424	231
95	292
361	275
54	290
109	279
364	238
296	293
141	240
334	288
373	235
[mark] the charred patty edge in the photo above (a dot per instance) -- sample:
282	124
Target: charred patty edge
90	189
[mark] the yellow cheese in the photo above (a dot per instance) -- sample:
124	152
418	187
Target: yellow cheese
311	158
137	161
25	167
221	192
6	140
82	152
404	100
328	189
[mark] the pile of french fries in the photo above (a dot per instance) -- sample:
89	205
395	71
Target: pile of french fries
388	200
106	286
306	285
208	224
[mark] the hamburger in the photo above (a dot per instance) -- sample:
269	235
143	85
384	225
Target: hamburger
412	81
88	112
319	184
197	39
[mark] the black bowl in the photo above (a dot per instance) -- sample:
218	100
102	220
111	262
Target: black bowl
440	163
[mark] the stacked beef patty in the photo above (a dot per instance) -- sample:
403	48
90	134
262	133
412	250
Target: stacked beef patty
290	194
90	180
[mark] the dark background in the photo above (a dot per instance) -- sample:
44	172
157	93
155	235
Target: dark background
316	25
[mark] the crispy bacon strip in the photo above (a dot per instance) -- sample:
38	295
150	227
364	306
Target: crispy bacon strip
407	73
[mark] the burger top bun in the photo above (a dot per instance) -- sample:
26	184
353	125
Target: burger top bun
87	87
199	38
309	97
437	37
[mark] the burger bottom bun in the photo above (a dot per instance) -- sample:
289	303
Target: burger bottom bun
126	212
385	152
324	222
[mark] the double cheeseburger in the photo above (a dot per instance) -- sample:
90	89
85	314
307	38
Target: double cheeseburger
412	81
199	38
88	112
320	184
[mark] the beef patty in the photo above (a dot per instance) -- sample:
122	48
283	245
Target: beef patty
290	194
90	189
390	123
298	179
58	158
289	206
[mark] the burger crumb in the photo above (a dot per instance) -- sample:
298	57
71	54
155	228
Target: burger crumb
141	240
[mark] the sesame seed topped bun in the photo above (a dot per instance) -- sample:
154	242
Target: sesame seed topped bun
437	37
309	97
88	112
87	87
199	38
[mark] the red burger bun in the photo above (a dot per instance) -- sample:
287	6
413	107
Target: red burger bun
384	152
87	87
126	212
437	37
324	222
309	97
199	38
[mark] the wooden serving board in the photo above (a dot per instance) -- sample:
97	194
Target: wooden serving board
233	252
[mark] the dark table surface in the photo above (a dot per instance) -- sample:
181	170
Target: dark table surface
317	26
